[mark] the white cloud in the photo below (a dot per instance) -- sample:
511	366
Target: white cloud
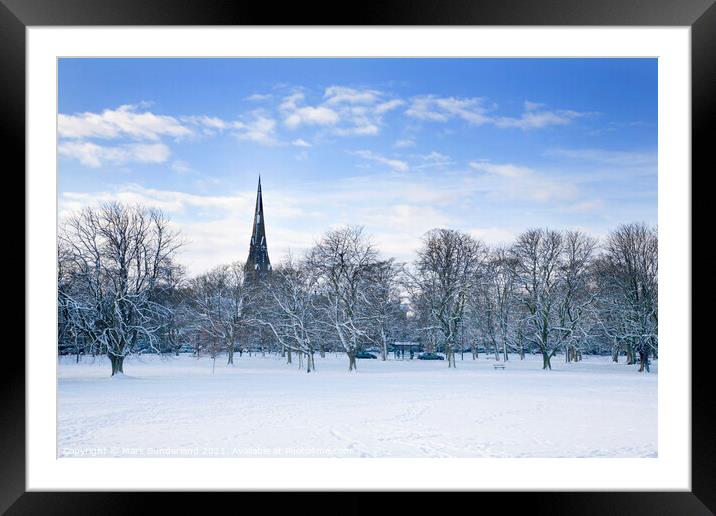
435	157
620	158
538	119
296	115
181	166
300	142
434	160
532	106
365	129
93	155
175	202
474	111
259	97
342	94
209	123
344	111
309	115
260	129
123	122
442	109
395	164
389	105
505	170
524	183
403	143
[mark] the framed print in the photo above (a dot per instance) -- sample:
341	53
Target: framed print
418	250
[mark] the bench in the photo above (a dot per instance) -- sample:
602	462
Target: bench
498	366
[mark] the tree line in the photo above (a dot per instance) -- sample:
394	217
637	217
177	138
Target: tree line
121	290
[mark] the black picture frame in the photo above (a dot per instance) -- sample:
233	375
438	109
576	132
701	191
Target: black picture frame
700	15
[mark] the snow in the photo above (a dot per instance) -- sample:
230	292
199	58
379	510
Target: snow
262	407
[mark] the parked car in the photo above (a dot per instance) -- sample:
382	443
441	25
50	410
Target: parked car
365	354
430	356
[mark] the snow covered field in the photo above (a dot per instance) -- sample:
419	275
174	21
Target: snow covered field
262	407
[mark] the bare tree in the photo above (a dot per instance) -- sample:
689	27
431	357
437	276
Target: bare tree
220	299
627	275
447	268
538	253
289	310
577	293
120	258
493	302
384	313
343	260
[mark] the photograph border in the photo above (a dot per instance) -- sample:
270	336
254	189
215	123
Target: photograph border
16	15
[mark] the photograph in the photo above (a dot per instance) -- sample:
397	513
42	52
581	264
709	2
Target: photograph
357	257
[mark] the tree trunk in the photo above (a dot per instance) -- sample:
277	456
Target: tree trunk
450	352
546	360
117	364
631	357
643	361
352	361
288	355
231	355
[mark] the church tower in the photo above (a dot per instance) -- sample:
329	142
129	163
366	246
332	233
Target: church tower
258	264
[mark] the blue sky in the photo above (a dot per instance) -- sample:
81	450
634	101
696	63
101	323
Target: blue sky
487	146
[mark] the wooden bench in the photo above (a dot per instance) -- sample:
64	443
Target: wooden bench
498	366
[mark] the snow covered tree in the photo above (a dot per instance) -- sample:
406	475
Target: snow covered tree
289	310
577	292
220	300
493	301
119	259
384	313
537	253
553	273
446	271
627	275
177	329
343	260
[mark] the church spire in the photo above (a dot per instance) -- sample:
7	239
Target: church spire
258	263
